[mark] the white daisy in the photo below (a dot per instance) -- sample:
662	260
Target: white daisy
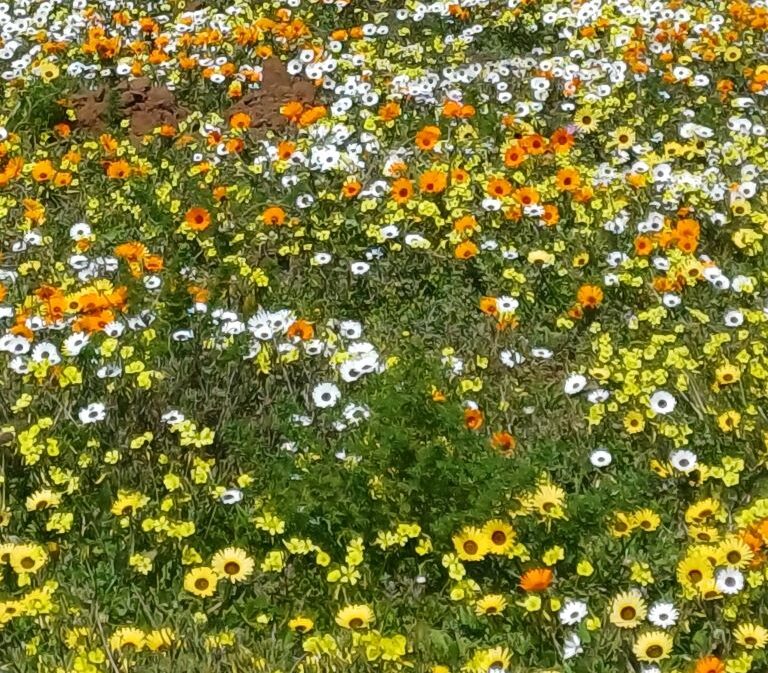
729	580
601	458
663	615
683	460
662	402
326	395
572	612
93	413
231	496
575	383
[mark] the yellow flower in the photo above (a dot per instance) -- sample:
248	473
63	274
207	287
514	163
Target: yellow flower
734	552
628	609
355	617
160	640
727	374
233	564
499	535
492	604
127	638
653	646
646	519
201	581
634	422
751	636
729	420
42	499
471	544
27	558
301	624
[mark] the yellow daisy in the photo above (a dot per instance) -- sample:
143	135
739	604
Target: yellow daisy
652	646
471	544
201	582
500	536
628	609
232	564
751	636
355	617
493	604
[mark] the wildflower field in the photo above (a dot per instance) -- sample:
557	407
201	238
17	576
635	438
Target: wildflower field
384	336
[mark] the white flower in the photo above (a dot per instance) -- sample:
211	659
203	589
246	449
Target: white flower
662	402
231	496
351	329
598	396
601	458
572	646
684	461
359	268
79	230
172	417
575	384
46	351
182	335
93	413
511	358
663	615
733	318
542	353
326	395
729	580
321	258
572	612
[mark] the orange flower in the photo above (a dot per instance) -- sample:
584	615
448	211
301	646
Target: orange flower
534	144
465	250
273	216
432	182
567	180
709	664
643	245
43	171
402	190
312	115
499	188
118	170
3	292
301	329
466	224
12	170
240	120
131	252
687	244
503	442
153	263
197	219
488	305
526	196
561	141
551	215
536	579
427	138
285	150
292	110
514	156
589	296
351	188
451	108
473	419
459	176
62	179
63	129
389	111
